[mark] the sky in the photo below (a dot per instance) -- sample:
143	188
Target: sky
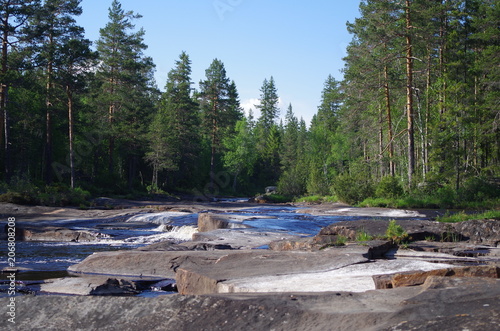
298	43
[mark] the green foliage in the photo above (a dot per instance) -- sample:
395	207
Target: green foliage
462	216
352	189
25	193
395	233
389	187
277	198
362	235
292	182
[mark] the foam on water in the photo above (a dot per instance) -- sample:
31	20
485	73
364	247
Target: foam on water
158	218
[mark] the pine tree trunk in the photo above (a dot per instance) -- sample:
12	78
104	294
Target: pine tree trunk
71	137
392	167
48	127
4	115
409	96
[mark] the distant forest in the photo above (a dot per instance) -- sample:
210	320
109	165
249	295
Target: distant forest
417	115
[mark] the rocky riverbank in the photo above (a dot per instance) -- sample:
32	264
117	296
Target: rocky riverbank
446	276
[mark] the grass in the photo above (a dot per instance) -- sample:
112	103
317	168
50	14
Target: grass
362	235
462	216
316	199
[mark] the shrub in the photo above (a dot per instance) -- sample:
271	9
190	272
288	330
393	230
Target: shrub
352	189
292	183
389	187
478	189
395	233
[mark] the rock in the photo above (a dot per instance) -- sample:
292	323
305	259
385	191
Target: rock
271	189
209	222
101	286
55	234
294	244
376	248
480	231
136	263
412	278
259	199
450	257
253	266
163	246
239	238
440	304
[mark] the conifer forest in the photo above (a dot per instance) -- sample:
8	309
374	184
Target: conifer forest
414	122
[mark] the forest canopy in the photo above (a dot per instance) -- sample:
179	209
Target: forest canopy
414	122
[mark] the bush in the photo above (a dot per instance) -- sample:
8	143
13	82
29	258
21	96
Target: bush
389	187
292	183
352	189
395	232
478	189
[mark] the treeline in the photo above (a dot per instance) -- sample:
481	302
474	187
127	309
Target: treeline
416	113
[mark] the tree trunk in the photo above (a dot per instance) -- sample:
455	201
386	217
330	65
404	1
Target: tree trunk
71	137
392	167
409	96
48	127
4	114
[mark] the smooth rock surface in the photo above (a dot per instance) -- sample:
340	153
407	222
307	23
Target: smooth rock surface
440	304
90	286
240	238
143	263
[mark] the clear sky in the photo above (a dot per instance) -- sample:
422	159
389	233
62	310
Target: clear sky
299	43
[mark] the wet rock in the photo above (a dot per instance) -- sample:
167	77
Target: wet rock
210	221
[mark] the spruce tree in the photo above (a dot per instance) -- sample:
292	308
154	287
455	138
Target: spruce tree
174	140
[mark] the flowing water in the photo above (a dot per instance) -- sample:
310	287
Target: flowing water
43	260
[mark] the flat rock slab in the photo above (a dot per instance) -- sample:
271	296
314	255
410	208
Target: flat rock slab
241	238
143	263
352	277
441	304
90	286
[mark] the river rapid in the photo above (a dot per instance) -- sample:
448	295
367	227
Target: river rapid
43	260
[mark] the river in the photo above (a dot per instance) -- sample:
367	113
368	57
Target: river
43	260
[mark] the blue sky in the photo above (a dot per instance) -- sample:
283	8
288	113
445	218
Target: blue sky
299	43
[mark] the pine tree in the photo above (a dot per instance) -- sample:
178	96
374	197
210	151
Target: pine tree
125	99
220	110
52	26
14	17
